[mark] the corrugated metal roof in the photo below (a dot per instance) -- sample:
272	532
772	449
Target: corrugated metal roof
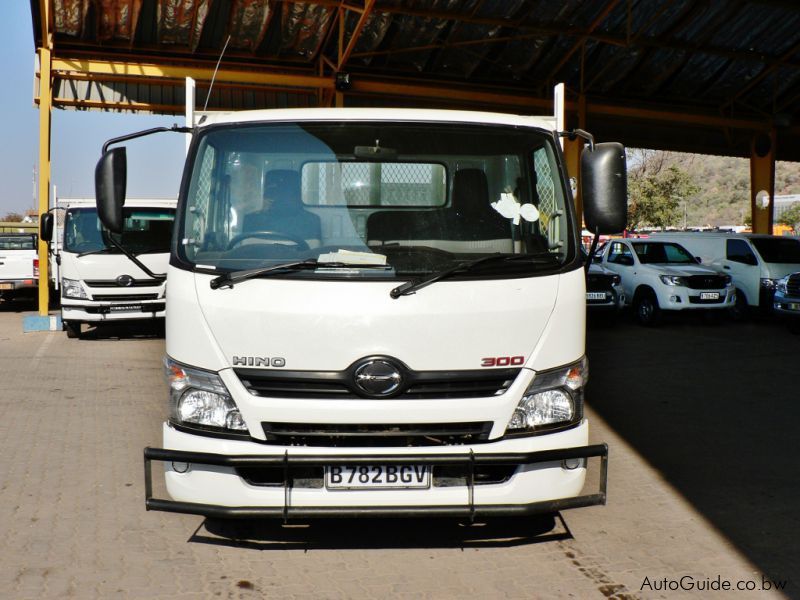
738	59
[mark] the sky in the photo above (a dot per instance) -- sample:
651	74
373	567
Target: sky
154	163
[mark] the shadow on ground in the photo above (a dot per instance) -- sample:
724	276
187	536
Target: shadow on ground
380	533
714	408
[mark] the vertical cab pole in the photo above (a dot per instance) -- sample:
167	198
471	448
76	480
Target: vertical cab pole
45	105
572	156
190	96
762	181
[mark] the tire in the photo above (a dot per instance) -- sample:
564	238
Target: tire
646	309
73	329
740	311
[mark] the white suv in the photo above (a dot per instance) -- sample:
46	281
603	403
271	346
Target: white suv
659	275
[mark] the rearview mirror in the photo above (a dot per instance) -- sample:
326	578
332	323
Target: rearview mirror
109	184
604	178
46	227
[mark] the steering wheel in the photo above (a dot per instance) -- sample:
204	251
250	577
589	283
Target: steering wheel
269	235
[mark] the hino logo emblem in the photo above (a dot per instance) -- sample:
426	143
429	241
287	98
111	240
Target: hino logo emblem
258	361
377	378
125	281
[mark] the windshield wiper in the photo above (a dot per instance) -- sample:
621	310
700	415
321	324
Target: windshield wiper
416	284
229	279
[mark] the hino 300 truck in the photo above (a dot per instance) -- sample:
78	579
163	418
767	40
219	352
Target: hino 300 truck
376	312
110	277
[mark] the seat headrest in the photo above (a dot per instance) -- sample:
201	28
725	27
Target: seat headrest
470	192
282	187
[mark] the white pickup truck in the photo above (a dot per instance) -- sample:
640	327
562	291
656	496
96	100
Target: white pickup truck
19	265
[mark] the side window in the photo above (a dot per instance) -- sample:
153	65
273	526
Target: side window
200	194
739	251
620	254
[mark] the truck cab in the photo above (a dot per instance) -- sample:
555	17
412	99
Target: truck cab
375	312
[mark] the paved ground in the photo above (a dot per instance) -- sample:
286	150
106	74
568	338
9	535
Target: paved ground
703	485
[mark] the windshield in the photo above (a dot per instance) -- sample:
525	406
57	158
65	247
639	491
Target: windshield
778	250
145	230
411	198
656	252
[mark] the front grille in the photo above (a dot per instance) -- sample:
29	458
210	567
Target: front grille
598	283
112	283
697	300
313	477
124	297
793	286
361	435
338	384
105	310
706	282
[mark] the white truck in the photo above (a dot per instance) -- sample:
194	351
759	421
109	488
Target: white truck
19	265
105	277
376	312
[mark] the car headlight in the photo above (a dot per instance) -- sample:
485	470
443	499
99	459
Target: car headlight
616	280
727	280
672	280
780	286
198	397
768	284
72	288
554	399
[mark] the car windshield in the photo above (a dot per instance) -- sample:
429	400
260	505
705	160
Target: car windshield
662	253
145	230
399	199
778	250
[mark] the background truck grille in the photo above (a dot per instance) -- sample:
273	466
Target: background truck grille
599	283
124	297
706	282
337	384
793	286
112	283
382	435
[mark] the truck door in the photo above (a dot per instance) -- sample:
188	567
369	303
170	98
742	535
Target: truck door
742	265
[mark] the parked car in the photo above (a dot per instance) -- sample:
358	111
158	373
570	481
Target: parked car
603	288
756	262
786	302
659	276
19	265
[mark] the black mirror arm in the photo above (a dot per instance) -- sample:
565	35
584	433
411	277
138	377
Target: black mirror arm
138	134
592	249
576	133
134	260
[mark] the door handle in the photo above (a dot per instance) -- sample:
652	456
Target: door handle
726	267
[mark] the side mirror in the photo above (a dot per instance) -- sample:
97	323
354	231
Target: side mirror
604	177
46	227
109	185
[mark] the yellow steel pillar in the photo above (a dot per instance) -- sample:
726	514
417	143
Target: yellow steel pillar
762	181
572	156
45	104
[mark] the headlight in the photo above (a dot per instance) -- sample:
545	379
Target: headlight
200	398
672	280
616	280
768	284
72	288
727	279
780	286
555	398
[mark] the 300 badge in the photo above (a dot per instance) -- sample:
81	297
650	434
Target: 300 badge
503	361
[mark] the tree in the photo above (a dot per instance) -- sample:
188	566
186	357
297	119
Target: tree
791	216
12	217
657	190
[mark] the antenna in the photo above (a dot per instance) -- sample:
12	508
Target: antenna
214	76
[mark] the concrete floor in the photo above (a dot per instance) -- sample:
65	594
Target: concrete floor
703	485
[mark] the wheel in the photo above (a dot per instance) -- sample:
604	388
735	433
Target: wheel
739	311
646	309
73	329
269	235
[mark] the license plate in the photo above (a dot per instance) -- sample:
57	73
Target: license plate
6	286
709	295
125	307
377	477
595	295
